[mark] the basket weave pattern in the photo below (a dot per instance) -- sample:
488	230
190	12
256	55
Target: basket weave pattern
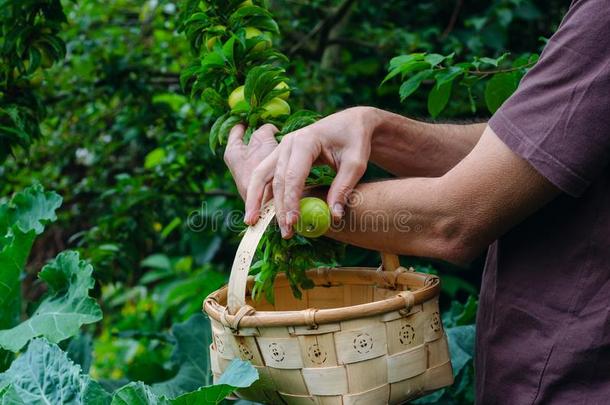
361	336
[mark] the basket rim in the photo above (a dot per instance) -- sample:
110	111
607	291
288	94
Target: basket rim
428	288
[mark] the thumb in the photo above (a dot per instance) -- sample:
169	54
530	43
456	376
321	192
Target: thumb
347	177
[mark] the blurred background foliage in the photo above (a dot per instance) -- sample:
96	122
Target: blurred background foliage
108	127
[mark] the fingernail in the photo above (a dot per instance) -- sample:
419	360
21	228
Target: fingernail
247	218
283	231
338	210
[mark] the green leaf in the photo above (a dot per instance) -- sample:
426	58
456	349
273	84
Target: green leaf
225	128
239	374
188	74
253	16
260	82
192	355
21	220
9	396
448	75
298	120
215	132
434	59
499	88
80	349
406	68
157	261
214	99
228	51
494	62
137	393
66	307
404	59
461	346
170	227
12	261
410	86
45	375
96	395
154	158
438	98
33	208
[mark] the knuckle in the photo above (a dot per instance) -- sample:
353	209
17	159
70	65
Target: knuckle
268	128
356	165
257	175
287	139
291	197
343	189
301	141
291	175
228	156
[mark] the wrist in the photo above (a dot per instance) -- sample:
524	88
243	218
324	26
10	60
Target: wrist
372	119
389	130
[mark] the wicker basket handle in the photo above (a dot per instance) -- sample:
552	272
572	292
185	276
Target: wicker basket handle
245	253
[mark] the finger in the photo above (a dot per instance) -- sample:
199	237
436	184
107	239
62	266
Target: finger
278	183
236	137
296	173
261	176
265	134
268	193
348	175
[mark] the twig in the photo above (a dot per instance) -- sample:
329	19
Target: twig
335	18
323	27
491	72
351	41
306	38
453	19
494	71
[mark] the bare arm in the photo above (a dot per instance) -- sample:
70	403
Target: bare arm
407	147
453	217
346	141
465	198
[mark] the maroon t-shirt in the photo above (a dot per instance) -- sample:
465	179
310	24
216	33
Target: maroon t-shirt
543	327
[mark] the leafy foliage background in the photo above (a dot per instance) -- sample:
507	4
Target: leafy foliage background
105	124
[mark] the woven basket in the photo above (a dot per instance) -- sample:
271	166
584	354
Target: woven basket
361	336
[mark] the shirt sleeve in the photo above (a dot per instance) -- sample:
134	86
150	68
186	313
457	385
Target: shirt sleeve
559	117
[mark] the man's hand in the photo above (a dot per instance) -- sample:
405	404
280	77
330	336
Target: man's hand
242	159
341	140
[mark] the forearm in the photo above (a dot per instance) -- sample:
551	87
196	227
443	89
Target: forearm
403	216
452	217
407	147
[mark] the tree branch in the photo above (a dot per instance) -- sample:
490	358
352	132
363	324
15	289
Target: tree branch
323	27
453	19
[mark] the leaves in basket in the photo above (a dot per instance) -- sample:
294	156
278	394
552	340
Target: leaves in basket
293	257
